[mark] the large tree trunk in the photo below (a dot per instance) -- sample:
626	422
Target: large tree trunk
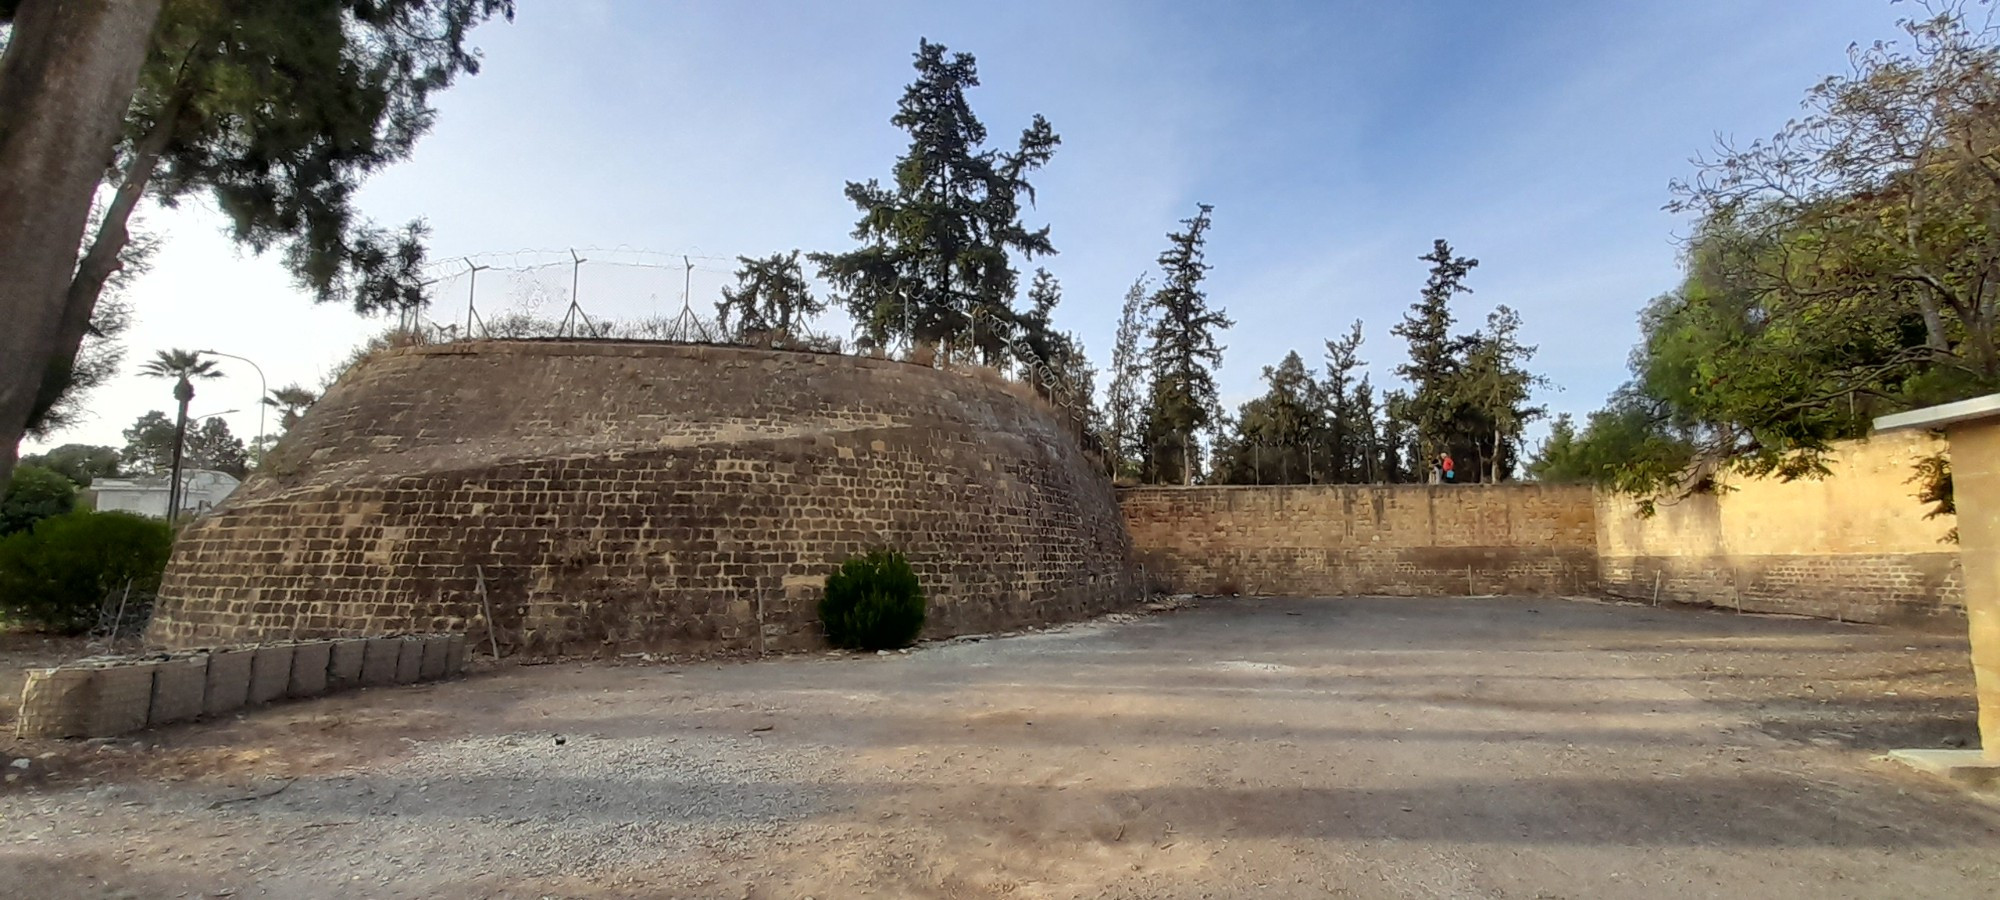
102	260
65	82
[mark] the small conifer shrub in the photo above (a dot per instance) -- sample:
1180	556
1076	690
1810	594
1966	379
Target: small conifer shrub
873	602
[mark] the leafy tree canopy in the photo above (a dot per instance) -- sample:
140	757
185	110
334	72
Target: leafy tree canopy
80	463
1844	268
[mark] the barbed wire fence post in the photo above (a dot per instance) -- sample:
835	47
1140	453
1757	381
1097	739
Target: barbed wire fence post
472	296
575	311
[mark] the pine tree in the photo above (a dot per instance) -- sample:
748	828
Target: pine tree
1367	434
1394	454
1183	354
936	246
1345	455
1271	438
1431	407
1493	390
1128	373
770	297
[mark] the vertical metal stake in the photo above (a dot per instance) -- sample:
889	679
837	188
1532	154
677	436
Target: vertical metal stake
760	624
492	640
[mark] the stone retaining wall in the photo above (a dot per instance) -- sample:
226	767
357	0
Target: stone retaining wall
1330	540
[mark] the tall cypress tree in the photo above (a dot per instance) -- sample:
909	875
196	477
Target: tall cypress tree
935	255
1346	460
1183	354
1123	413
1431	407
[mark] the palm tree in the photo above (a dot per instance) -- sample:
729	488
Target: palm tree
184	366
290	401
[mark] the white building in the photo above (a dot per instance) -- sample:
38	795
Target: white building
201	491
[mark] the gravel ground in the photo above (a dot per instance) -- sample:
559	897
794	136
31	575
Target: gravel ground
1245	748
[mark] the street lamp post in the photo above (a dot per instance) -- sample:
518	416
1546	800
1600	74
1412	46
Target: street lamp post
264	391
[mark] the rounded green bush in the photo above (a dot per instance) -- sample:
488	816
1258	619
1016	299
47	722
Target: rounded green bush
873	602
58	573
33	494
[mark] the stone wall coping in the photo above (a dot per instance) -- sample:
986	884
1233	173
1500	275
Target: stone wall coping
1944	414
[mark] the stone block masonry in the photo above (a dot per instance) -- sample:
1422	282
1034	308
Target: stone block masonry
1333	540
105	696
605	497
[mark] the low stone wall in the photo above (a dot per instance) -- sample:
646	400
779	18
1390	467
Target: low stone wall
1853	546
1331	540
111	695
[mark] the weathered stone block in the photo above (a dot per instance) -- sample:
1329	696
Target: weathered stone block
270	672
228	686
437	648
344	664
409	659
378	663
179	684
310	662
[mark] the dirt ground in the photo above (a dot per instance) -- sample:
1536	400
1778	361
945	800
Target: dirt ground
1357	747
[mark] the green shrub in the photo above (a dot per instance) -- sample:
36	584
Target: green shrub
873	603
58	573
33	494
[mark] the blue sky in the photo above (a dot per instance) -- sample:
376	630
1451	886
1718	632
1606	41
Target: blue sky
1335	139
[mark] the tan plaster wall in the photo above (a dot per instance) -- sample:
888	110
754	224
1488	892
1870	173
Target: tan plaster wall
1853	546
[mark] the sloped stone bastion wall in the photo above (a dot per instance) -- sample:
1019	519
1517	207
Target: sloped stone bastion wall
614	497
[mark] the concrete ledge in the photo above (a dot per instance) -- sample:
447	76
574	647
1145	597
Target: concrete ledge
378	661
343	668
1972	768
310	662
122	697
434	663
178	685
410	660
454	659
105	696
228	687
270	673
